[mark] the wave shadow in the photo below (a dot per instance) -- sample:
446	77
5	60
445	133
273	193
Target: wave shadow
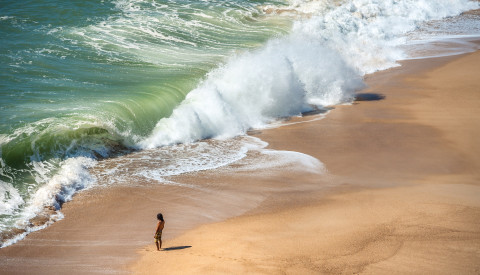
369	97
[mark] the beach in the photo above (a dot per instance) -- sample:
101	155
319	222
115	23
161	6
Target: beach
398	193
405	200
275	137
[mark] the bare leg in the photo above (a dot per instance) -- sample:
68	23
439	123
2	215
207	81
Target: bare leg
158	247
160	241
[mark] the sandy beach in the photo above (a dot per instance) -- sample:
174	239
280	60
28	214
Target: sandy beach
400	194
405	165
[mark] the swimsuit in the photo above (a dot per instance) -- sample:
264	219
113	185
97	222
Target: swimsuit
158	236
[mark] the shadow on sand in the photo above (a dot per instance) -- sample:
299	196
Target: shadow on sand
176	247
368	97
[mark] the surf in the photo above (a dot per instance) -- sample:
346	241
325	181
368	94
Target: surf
139	75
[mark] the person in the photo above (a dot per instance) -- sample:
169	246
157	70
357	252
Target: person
158	231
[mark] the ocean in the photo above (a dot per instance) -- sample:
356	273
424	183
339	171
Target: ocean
100	93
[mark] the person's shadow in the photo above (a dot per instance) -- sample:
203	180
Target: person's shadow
176	247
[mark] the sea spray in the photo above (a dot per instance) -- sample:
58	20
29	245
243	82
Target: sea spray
79	86
367	33
239	154
54	190
320	63
284	78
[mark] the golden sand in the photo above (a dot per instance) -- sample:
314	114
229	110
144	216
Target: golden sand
406	171
401	195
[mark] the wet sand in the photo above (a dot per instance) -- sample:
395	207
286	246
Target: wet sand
401	194
404	168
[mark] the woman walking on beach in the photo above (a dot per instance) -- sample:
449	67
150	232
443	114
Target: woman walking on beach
158	231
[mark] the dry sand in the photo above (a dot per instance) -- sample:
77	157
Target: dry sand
405	164
401	195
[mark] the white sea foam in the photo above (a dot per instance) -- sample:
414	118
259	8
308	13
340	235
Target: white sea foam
321	63
10	199
290	160
367	32
174	34
268	161
257	87
57	216
203	156
450	36
72	176
159	164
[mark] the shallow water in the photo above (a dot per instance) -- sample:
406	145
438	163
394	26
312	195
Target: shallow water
122	91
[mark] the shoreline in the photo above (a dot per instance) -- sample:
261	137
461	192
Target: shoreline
405	198
99	234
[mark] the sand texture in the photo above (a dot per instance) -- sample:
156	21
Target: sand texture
403	164
398	192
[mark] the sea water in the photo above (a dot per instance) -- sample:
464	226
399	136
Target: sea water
177	84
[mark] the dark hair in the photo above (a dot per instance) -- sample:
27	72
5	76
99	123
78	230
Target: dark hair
160	217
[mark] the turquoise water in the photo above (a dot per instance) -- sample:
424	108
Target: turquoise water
114	66
83	81
86	78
